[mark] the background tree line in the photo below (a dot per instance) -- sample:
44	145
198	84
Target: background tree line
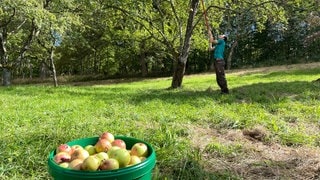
40	38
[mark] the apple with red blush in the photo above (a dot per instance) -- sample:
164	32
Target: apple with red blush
120	143
103	145
63	148
62	157
139	149
108	136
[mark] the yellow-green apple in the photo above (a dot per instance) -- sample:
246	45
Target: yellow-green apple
122	156
91	149
102	156
63	148
62	157
64	164
108	136
109	164
139	149
112	150
79	154
134	160
75	164
102	145
91	163
119	142
142	158
76	146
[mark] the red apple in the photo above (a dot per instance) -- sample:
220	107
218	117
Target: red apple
103	145
109	164
122	156
63	148
107	135
62	157
119	142
91	163
139	149
75	164
79	154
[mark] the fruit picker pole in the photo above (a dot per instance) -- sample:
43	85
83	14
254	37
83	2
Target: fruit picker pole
208	29
206	21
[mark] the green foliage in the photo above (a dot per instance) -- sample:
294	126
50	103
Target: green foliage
129	38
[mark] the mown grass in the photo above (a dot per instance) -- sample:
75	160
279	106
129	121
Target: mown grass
34	119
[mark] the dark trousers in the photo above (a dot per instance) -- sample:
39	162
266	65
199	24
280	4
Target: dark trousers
220	75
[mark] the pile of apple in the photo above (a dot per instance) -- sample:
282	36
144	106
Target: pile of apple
107	154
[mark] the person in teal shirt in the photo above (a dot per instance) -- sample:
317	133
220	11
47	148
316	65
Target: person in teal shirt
219	63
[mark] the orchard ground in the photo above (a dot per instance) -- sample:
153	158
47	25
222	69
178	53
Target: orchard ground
259	159
267	128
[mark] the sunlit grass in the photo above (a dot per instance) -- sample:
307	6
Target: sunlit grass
35	118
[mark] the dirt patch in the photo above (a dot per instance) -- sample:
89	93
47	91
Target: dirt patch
257	160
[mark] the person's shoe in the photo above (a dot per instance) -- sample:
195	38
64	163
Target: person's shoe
224	92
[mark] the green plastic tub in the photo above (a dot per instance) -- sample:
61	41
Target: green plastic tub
141	171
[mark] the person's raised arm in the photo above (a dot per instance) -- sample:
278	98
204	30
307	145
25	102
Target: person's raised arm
211	41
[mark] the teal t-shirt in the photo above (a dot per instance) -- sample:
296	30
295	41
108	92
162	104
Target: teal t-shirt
219	49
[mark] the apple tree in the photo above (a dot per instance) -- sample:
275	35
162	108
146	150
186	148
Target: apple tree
55	24
18	25
21	23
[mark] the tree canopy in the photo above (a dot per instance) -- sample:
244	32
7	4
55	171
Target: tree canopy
151	37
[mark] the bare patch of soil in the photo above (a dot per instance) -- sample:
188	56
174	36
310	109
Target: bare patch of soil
258	160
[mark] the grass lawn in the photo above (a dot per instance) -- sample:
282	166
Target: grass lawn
267	128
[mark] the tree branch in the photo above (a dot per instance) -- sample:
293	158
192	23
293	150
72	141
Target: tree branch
178	21
150	23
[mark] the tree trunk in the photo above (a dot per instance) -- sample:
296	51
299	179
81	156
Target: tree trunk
54	73
6	72
44	70
4	57
184	52
6	77
143	63
229	60
178	74
34	32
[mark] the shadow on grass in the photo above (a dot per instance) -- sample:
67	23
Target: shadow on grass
256	93
272	92
263	93
189	169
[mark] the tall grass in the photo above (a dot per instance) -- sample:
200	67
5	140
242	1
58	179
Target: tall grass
34	119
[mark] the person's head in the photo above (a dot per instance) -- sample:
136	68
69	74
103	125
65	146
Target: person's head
224	37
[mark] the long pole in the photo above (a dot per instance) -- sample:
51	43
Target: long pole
208	29
205	17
